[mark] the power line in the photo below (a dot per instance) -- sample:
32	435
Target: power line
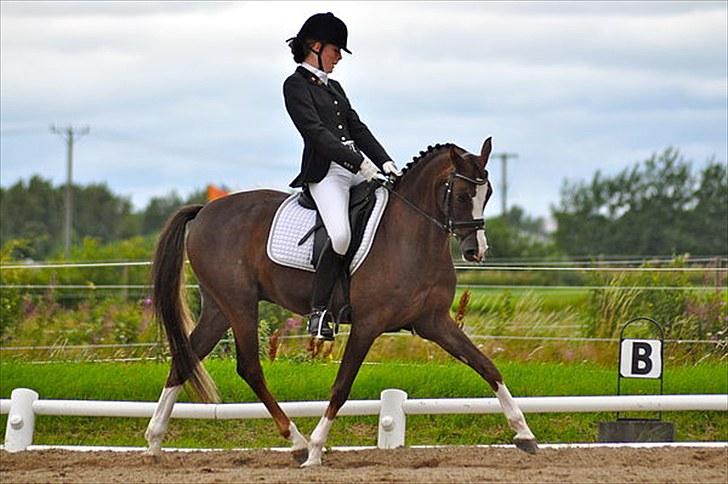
69	135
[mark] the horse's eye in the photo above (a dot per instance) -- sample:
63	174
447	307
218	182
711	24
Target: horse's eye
462	198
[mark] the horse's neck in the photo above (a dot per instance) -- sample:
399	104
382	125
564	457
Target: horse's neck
420	189
420	186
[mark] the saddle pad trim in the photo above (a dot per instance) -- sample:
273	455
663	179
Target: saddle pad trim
372	225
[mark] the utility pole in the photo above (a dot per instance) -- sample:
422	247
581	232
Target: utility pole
69	134
504	179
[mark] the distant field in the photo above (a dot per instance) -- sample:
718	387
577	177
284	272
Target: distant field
291	381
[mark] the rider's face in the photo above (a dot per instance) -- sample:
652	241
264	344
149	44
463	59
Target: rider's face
330	55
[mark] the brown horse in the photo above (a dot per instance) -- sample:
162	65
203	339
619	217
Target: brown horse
407	280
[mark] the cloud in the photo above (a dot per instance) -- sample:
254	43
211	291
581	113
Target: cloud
178	94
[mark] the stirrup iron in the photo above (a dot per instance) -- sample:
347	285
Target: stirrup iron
319	325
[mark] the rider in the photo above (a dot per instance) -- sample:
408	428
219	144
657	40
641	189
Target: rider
333	136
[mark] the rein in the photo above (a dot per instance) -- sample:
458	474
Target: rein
452	225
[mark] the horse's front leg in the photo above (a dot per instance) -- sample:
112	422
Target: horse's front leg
360	340
446	333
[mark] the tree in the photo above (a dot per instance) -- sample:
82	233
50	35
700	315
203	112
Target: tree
101	214
32	215
157	212
518	235
656	208
515	235
33	212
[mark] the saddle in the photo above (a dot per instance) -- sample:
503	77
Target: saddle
296	227
361	206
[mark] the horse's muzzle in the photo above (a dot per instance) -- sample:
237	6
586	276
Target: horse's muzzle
474	247
473	255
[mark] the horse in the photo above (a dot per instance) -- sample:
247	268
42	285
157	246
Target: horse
407	281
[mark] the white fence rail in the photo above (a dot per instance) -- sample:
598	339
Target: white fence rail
392	408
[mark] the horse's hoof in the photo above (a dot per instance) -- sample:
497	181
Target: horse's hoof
311	463
151	457
300	455
527	445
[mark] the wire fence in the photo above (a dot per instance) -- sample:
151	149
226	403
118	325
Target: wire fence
101	287
706	264
345	335
715	270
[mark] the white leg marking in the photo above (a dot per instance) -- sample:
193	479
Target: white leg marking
514	415
160	420
482	244
298	441
316	444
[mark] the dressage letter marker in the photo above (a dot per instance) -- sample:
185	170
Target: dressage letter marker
641	358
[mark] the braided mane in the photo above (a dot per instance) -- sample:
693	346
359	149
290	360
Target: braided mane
426	155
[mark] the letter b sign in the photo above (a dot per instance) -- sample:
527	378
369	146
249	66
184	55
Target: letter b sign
641	358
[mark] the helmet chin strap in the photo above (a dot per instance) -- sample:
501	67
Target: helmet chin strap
318	56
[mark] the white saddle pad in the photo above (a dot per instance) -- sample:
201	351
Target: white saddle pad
291	222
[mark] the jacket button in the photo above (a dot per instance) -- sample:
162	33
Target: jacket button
341	127
338	113
336	102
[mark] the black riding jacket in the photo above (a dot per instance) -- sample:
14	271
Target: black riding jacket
325	118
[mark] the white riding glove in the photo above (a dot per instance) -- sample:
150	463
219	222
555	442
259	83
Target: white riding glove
391	169
368	169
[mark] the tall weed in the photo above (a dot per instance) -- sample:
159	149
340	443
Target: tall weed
683	313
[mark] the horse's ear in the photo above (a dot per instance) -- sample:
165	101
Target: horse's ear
457	161
485	151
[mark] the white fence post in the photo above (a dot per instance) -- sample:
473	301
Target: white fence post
392	420
21	420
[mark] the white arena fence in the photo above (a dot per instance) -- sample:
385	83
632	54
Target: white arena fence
393	407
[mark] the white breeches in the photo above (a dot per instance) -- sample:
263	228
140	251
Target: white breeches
332	199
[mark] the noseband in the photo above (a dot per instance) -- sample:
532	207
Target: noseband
451	225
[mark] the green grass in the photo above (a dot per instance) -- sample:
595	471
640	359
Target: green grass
551	299
291	381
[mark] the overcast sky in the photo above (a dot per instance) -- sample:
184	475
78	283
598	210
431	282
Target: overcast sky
178	95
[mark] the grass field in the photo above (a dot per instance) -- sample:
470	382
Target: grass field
290	381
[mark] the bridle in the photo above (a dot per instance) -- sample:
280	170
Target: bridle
451	225
474	224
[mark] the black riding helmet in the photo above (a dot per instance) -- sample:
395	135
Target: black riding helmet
325	28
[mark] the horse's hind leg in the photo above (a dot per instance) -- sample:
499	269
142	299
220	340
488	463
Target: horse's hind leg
455	342
208	331
245	329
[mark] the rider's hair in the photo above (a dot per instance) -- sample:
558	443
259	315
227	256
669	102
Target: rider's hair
299	48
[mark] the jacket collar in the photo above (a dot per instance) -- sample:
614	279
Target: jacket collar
319	73
310	76
314	79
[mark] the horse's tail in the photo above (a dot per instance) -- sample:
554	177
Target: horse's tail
170	303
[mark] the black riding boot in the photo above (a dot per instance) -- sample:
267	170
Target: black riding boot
328	271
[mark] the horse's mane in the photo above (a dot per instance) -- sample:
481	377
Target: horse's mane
425	156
